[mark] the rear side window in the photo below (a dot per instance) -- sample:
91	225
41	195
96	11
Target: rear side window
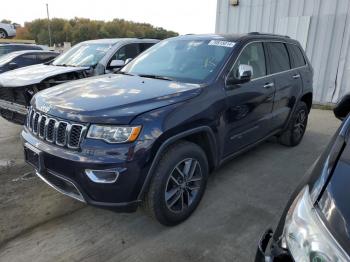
279	58
296	56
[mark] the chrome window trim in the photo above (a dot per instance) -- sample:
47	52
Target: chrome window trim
268	75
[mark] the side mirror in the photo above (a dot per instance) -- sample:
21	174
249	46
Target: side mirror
13	65
244	74
116	64
127	61
342	108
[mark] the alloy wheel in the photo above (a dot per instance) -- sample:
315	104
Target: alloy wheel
300	124
183	185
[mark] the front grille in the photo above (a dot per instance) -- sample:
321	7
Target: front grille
54	130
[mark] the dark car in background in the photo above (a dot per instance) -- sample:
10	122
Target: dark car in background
89	58
6	48
20	59
150	134
315	224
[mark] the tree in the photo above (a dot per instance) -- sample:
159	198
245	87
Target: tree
81	29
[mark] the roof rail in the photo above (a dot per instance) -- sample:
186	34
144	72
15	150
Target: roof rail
267	34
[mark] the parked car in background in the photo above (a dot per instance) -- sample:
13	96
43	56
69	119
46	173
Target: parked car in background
151	133
7	31
6	48
86	59
315	224
20	59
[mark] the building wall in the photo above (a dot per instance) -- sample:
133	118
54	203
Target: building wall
322	27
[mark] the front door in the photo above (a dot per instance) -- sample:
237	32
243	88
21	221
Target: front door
249	105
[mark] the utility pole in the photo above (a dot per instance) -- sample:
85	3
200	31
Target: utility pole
48	24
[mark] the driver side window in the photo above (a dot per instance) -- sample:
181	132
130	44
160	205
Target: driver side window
125	52
252	55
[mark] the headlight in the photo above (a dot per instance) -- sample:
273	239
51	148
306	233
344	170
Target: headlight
114	134
306	236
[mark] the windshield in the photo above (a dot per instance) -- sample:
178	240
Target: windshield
7	58
193	61
84	54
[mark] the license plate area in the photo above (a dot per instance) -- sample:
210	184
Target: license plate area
33	156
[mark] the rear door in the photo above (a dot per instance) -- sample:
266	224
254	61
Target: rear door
287	81
249	105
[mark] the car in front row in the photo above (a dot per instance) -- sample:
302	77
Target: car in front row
315	224
150	134
89	58
20	59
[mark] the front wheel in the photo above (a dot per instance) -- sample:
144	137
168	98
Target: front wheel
178	184
294	133
3	34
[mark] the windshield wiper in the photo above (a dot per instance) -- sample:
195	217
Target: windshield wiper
157	77
66	65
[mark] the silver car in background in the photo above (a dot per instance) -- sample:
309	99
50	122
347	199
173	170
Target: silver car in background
7	30
89	58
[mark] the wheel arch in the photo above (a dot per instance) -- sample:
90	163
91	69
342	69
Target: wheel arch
203	136
307	99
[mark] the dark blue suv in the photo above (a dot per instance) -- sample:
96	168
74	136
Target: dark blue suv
151	133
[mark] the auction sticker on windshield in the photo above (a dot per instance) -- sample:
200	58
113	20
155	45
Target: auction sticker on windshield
222	43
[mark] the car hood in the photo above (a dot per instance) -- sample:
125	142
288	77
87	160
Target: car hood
34	74
113	98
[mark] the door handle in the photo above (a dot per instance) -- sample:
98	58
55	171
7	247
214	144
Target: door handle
268	85
296	76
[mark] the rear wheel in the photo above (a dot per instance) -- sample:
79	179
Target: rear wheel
3	34
178	184
294	133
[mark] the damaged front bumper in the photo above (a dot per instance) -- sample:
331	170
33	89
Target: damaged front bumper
13	112
11	106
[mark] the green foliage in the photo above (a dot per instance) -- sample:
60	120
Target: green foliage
81	29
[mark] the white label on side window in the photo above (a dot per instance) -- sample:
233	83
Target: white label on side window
221	43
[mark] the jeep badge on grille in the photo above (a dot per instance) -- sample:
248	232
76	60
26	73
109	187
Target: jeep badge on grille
45	108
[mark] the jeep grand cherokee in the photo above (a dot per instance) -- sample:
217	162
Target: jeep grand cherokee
150	134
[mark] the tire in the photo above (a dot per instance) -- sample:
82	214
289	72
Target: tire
173	195
3	34
294	133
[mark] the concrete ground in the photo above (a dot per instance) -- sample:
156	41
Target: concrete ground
243	198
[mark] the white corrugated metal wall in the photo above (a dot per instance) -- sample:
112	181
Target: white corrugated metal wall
322	26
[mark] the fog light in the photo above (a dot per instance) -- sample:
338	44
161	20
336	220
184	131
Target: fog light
106	176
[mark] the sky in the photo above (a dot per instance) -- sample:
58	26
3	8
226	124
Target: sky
182	16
